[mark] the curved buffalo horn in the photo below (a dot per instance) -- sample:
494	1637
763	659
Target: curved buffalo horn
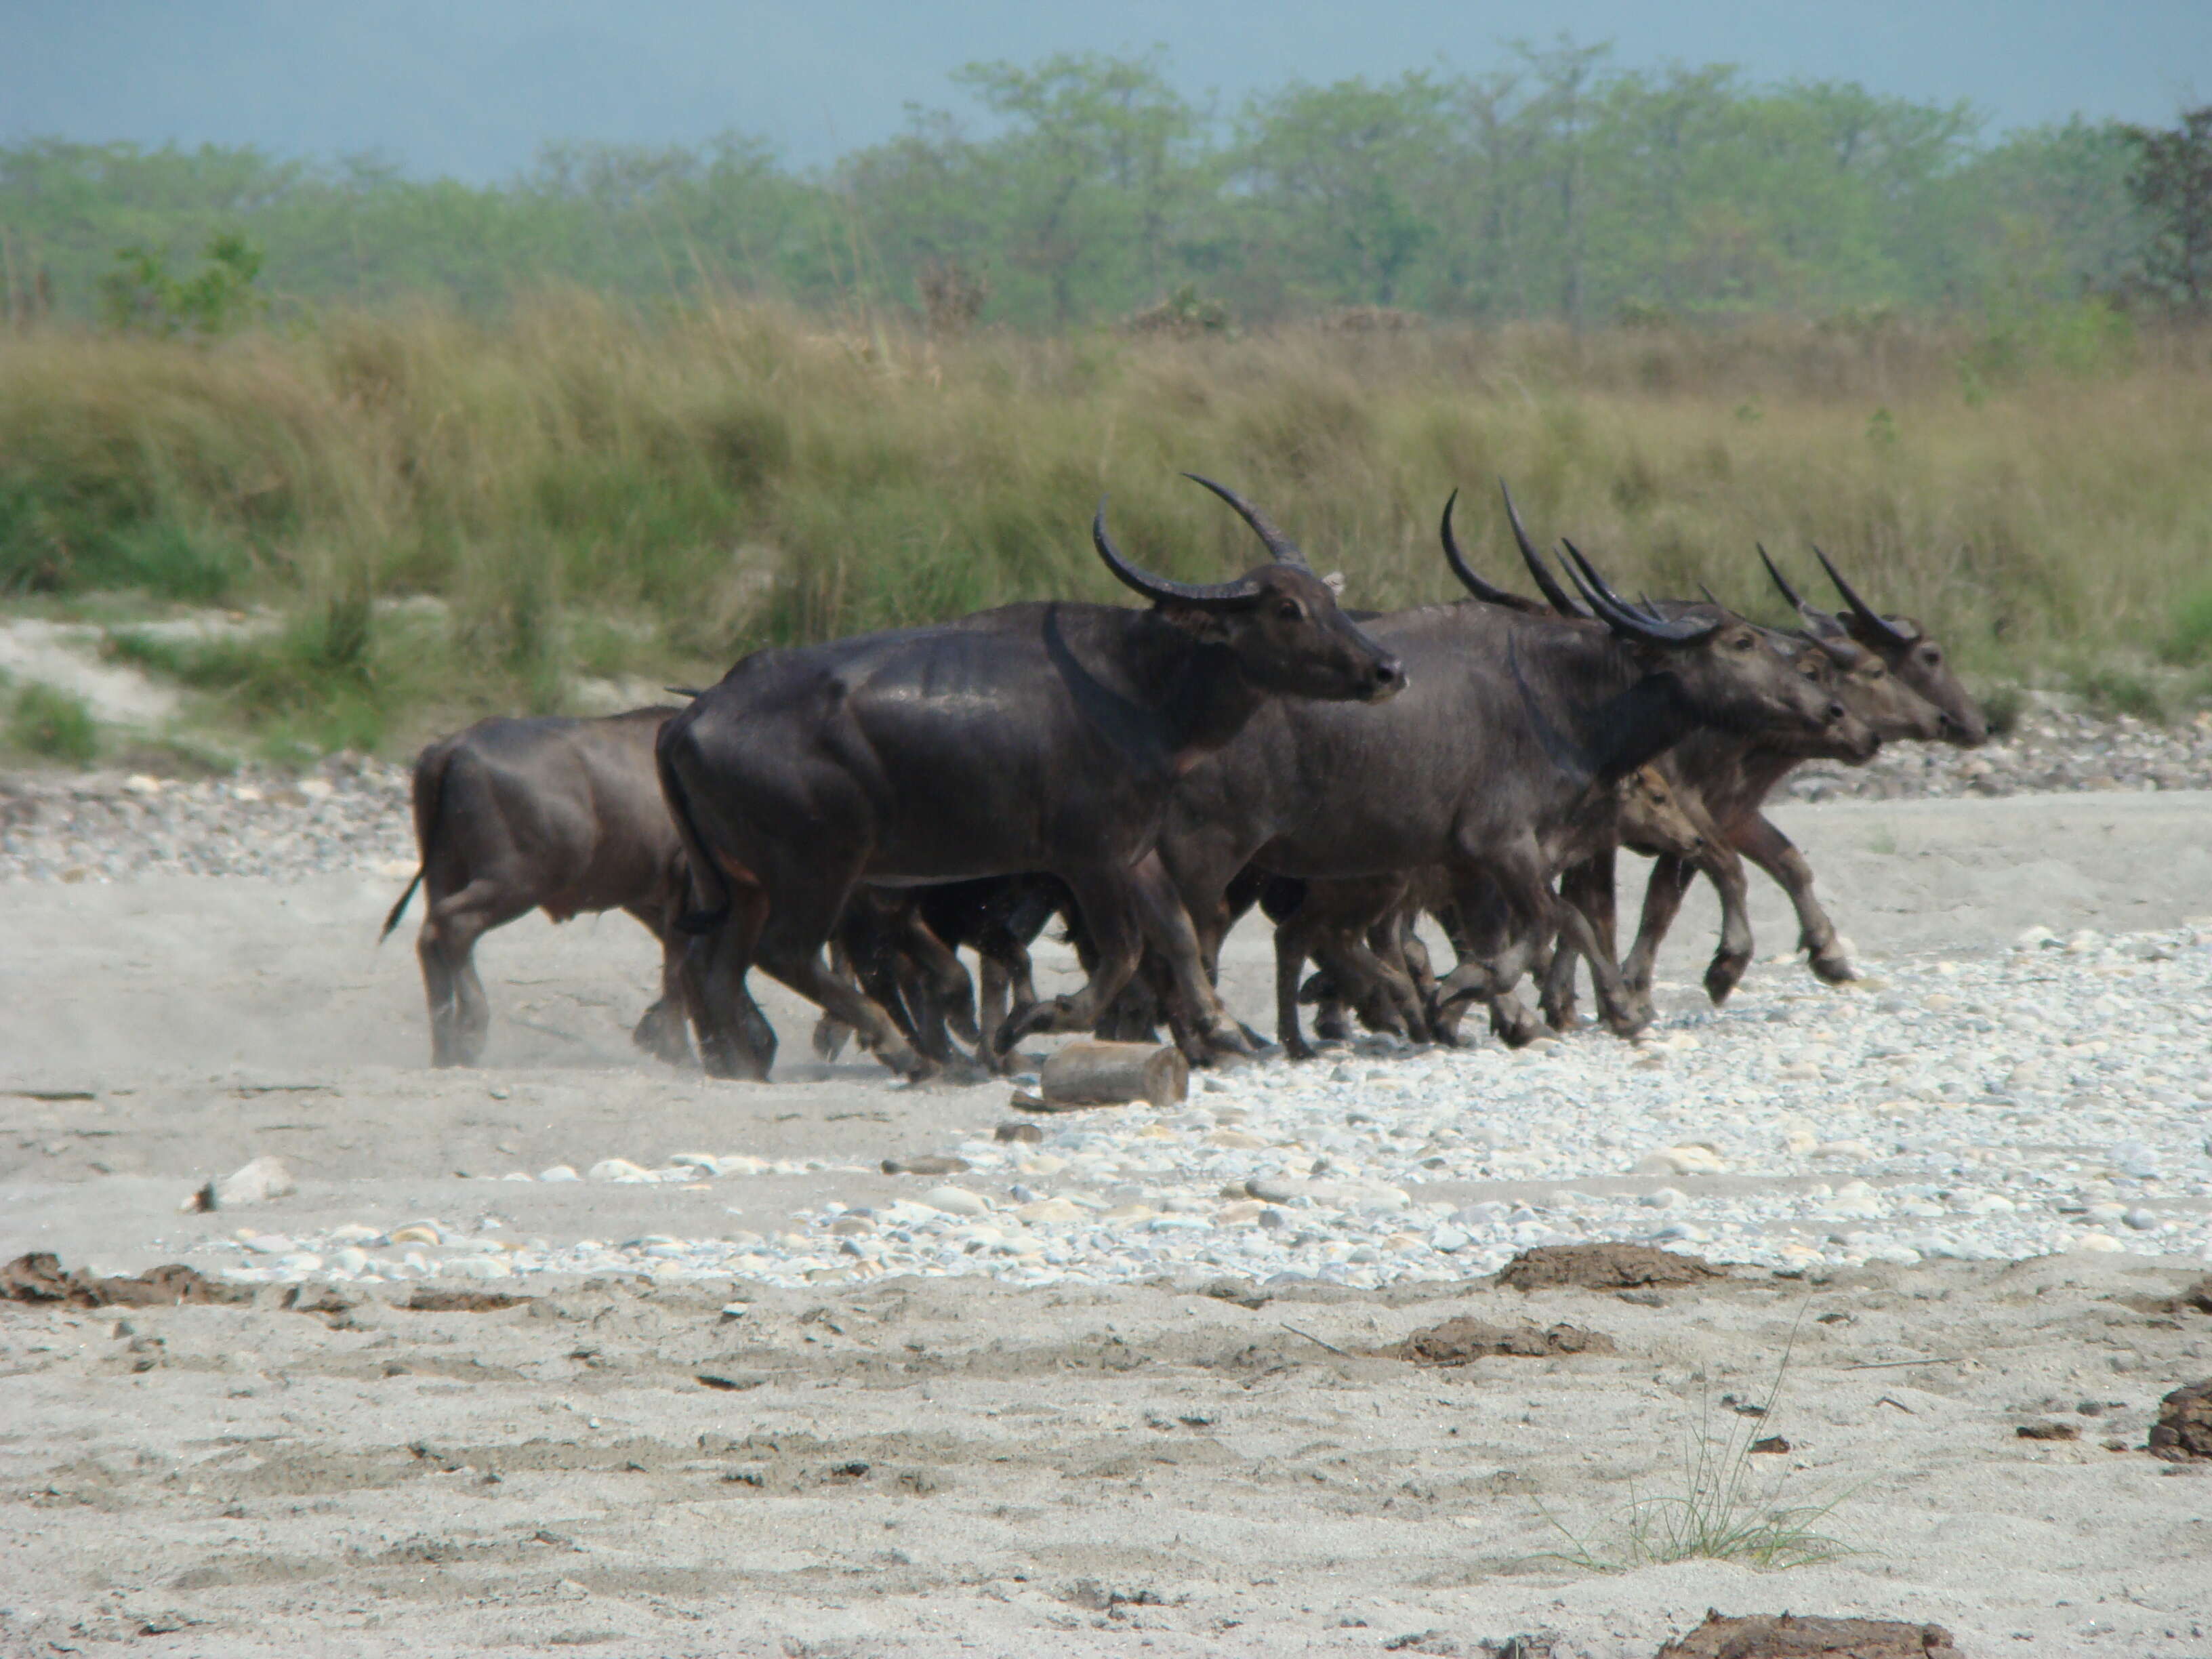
1561	601
1285	550
1625	618
1820	625
1474	584
1797	599
1712	597
1872	620
1240	592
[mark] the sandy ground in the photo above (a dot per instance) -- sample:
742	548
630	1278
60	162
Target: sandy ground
937	1467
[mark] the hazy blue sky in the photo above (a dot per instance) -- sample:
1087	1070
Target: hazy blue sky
472	86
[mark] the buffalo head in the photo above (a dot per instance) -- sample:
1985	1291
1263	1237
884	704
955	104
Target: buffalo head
1737	674
1279	620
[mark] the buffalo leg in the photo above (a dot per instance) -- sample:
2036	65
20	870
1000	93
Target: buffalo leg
663	1032
735	1039
1765	846
796	928
460	1015
1663	892
1203	1021
1108	899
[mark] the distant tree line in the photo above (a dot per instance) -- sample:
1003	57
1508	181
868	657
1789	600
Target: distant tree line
1087	188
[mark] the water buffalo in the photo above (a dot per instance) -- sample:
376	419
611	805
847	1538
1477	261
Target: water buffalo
1898	680
1508	721
1040	737
565	816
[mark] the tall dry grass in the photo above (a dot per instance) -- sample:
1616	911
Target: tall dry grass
586	489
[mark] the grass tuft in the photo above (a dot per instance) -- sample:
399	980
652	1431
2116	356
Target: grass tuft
54	725
1722	1507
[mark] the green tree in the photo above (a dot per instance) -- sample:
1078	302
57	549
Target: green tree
2173	181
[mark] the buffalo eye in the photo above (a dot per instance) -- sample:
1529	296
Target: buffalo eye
1291	610
1931	655
1743	642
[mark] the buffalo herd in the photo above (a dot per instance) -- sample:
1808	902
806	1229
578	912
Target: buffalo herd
848	816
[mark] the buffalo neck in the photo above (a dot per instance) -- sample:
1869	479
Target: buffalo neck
1181	699
1627	716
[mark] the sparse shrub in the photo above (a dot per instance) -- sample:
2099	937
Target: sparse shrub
142	292
2002	705
2121	692
2190	639
55	723
1184	313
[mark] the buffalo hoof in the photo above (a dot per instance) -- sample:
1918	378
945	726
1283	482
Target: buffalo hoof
731	1062
661	1034
830	1036
1835	968
1723	975
1564	1016
1516	1027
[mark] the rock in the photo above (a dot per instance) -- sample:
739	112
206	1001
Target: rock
1236	1140
2142	1220
2197	1296
1772	1446
1602	1268
256	1182
1459	1341
927	1164
1024	1132
705	1163
414	1233
2034	938
559	1172
1693	1158
1791	1637
1053	1210
1277	1188
2183	1428
1089	1073
2048	1429
1666	1198
618	1169
956	1200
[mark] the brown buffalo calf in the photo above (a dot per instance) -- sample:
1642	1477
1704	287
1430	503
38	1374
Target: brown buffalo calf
564	816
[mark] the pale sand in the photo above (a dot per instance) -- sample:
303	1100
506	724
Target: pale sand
1028	1453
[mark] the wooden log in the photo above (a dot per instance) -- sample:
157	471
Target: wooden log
1114	1073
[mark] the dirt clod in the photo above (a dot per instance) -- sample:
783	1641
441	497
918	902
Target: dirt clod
2183	1428
1458	1341
426	1300
38	1277
1773	1445
2197	1298
1024	1132
1602	1268
2049	1431
1763	1636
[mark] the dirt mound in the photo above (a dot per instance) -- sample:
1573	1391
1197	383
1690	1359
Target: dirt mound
2183	1428
1762	1636
38	1277
1458	1341
1602	1268
426	1300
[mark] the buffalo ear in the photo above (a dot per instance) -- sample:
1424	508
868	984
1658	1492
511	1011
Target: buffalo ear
1334	581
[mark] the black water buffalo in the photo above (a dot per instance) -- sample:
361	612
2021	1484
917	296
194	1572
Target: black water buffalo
565	816
1898	680
1508	720
1040	737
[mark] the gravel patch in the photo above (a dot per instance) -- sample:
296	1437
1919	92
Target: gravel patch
2050	751
350	813
2047	1099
